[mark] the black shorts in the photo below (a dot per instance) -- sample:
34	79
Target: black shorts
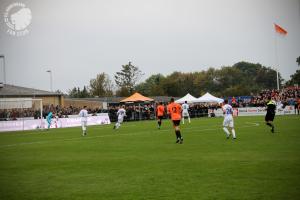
160	117
269	117
176	122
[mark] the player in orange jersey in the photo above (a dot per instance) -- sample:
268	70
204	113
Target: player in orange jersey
160	111
174	110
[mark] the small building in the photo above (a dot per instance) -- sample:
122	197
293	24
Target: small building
49	98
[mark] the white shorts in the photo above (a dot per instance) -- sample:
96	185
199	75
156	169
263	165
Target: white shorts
120	120
228	121
84	123
185	114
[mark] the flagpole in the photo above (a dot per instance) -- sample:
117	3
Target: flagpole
276	60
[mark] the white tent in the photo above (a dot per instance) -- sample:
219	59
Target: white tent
208	98
189	98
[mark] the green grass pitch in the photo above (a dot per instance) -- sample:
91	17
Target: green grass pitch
138	161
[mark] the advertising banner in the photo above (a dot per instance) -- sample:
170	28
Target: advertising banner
30	124
257	111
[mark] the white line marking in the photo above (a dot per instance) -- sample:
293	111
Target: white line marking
42	131
252	124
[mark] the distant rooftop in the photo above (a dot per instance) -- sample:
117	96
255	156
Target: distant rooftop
17	91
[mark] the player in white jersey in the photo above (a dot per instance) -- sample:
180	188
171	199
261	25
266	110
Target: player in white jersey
228	120
185	112
121	114
83	114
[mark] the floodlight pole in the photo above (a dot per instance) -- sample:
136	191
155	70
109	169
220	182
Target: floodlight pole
50	72
276	63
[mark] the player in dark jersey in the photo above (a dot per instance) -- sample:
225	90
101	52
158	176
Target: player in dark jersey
271	109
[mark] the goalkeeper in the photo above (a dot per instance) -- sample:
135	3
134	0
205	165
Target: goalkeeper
49	119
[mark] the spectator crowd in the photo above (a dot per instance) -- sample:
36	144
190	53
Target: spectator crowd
287	96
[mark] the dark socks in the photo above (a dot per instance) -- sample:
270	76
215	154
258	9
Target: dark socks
269	124
178	134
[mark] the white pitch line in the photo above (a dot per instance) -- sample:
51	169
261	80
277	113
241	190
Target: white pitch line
42	131
252	124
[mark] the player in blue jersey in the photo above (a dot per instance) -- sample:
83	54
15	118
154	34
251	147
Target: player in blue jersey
49	119
228	120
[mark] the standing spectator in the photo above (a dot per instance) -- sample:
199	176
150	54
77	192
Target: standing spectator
233	102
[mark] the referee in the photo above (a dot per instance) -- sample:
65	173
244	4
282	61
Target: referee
271	107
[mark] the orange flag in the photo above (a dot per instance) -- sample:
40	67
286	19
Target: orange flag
280	30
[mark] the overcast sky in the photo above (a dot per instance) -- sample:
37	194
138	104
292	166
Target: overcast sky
78	39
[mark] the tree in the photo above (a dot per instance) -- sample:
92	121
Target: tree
127	78
101	85
84	93
242	78
152	86
122	92
77	93
229	78
172	84
295	78
266	78
258	76
73	92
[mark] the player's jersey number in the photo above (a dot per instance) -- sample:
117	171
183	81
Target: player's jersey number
174	109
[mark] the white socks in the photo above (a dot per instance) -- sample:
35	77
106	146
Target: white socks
117	125
233	133
188	119
226	131
83	130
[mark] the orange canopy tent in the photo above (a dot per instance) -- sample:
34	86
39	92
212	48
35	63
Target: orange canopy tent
136	97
